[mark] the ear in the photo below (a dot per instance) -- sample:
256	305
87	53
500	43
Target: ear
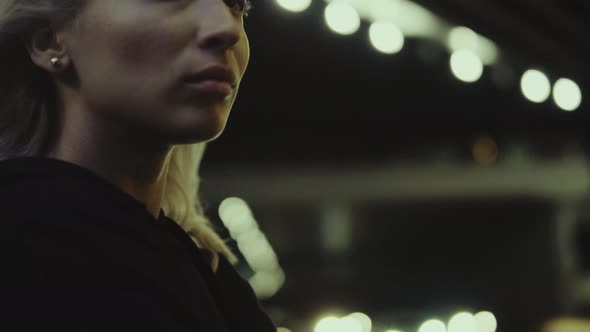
43	45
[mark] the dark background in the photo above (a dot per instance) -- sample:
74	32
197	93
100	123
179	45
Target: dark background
313	99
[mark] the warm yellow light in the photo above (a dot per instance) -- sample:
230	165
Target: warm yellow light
342	18
386	37
485	150
567	94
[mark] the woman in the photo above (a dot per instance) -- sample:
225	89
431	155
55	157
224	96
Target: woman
105	107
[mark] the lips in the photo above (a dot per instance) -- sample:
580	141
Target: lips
212	83
211	87
218	74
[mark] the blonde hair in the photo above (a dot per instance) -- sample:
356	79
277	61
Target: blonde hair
28	115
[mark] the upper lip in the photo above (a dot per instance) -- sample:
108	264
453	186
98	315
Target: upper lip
217	73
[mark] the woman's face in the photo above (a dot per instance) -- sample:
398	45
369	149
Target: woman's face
132	58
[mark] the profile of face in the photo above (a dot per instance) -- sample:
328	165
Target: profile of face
136	60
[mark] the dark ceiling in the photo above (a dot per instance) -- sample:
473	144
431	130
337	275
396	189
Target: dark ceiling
548	33
311	96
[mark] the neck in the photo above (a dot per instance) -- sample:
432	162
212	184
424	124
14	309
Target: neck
125	156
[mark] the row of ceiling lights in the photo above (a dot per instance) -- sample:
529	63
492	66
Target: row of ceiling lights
483	321
394	20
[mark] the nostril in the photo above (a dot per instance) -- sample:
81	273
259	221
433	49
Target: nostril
222	40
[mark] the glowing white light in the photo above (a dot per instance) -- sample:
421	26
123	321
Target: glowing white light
349	324
386	37
260	255
328	324
364	320
486	322
433	325
236	215
412	19
535	86
567	94
294	5
267	283
487	51
342	18
462	38
462	322
466	66
250	238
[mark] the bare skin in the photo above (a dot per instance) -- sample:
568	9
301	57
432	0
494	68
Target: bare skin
123	103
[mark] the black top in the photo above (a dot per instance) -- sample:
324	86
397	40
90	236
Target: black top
79	254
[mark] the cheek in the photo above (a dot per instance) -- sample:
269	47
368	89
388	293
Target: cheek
144	54
139	49
243	53
130	64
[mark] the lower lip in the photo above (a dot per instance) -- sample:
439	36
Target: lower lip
213	87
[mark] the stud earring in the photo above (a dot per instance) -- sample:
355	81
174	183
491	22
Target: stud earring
55	61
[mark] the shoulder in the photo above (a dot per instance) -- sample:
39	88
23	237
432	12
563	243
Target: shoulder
51	189
239	300
48	207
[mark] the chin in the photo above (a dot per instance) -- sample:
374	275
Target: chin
197	134
190	125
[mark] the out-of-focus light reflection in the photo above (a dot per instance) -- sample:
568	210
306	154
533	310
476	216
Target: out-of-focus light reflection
393	331
462	38
386	37
267	283
363	319
433	325
235	213
535	86
486	321
485	151
462	322
250	238
342	18
567	94
567	325
283	329
336	324
294	5
466	66
412	19
488	51
349	324
328	324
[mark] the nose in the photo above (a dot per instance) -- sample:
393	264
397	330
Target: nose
220	28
